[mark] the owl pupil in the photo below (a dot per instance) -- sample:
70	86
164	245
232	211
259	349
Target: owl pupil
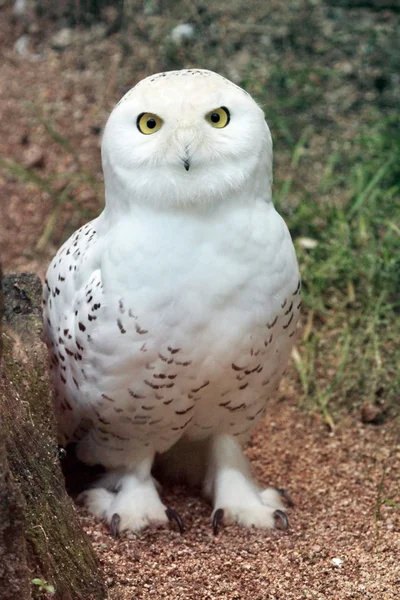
151	123
215	118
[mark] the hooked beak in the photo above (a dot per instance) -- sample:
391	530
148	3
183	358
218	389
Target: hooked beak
185	157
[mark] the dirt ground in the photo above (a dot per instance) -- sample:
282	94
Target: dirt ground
344	535
339	546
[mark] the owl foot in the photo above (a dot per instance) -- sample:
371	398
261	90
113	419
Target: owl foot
236	497
280	520
133	506
263	517
170	512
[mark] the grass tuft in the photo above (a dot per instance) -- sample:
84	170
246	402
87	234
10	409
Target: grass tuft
351	275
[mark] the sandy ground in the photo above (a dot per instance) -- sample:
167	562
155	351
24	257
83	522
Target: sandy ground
344	535
343	543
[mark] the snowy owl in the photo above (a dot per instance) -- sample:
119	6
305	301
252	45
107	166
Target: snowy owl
170	318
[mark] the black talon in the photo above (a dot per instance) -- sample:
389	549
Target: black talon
172	515
218	516
281	518
285	495
115	521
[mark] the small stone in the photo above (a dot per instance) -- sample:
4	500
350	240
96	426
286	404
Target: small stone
182	33
307	243
337	562
33	157
62	39
60	185
371	413
34	29
21	46
19	8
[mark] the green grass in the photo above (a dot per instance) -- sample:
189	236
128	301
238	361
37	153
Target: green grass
351	277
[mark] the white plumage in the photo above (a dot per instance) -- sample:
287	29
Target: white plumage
170	317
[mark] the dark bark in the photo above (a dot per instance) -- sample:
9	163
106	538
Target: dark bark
40	535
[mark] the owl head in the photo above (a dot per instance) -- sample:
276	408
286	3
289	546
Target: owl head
187	137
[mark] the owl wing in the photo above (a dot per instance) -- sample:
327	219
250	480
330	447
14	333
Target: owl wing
72	301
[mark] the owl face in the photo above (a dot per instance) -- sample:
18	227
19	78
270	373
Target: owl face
186	137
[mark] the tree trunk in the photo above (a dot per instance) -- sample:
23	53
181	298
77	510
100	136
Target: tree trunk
40	535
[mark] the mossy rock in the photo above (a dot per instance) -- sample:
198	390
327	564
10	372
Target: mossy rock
40	534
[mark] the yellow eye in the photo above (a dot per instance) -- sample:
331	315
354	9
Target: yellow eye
148	123
219	117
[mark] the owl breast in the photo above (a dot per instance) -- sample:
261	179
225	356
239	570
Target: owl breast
193	337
